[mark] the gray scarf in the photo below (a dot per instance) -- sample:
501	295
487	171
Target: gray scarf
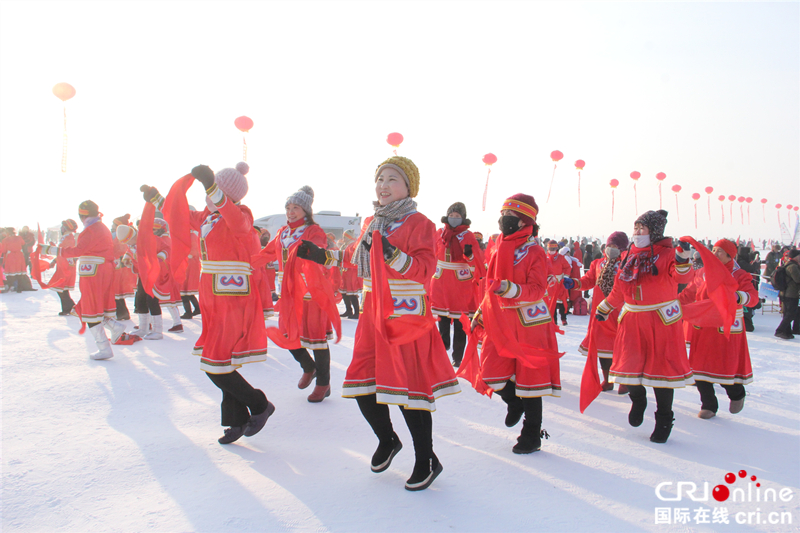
384	215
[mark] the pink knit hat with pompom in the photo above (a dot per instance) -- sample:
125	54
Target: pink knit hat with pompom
232	181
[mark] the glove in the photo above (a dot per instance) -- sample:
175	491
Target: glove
468	250
568	283
204	175
311	252
600	316
366	245
149	192
683	252
503	287
388	249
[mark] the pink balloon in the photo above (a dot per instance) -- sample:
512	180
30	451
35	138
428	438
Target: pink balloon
394	139
748	200
676	188
661	176
696	196
709	190
764	200
490	159
579	164
243	124
614	183
635	175
732	197
556	156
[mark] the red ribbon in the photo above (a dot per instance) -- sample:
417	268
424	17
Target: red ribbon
176	213
146	249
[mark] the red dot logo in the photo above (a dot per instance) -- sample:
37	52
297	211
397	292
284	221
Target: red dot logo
753	478
742	473
720	493
730	478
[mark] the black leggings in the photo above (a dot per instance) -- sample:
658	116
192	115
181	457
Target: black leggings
239	398
709	399
663	397
419	422
143	303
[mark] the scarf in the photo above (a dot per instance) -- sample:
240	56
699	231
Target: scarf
450	239
384	215
639	261
606	281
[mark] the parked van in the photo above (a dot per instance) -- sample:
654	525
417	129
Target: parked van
329	221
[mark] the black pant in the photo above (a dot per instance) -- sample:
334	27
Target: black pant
789	316
321	362
67	303
709	399
419	422
239	398
561	308
122	309
664	397
188	301
143	303
459	336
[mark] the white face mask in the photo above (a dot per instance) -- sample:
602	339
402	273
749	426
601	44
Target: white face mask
612	253
640	241
454	221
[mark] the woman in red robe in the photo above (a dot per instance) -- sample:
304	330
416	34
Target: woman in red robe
63	279
649	349
398	357
713	357
351	283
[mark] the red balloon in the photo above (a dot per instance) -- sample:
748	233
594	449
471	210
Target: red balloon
796	208
741	199
243	124
788	206
676	188
614	183
696	196
661	176
748	200
709	190
579	164
721	198
764	200
556	156
732	197
395	139
778	206
490	159
635	175
64	91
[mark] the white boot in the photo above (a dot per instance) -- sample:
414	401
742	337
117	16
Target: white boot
115	328
177	326
158	327
144	325
103	344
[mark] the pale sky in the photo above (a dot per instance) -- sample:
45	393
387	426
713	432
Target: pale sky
708	93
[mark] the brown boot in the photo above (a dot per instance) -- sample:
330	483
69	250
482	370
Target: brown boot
320	393
305	379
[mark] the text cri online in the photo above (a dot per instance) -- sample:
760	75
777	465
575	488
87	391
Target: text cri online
757	517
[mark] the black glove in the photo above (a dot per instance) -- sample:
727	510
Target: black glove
468	250
366	245
388	249
149	192
600	316
311	252
204	175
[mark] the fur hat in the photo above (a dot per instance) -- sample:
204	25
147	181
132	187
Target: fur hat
125	233
728	246
88	209
232	181
407	169
459	208
70	224
304	197
619	239
655	221
523	205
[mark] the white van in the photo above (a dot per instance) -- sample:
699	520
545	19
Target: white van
329	221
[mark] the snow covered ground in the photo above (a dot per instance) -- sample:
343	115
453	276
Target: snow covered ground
130	444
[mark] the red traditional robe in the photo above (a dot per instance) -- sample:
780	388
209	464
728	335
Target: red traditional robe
351	283
14	261
64	277
454	288
96	270
604	332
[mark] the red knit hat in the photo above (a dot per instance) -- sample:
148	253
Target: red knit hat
728	246
70	224
523	205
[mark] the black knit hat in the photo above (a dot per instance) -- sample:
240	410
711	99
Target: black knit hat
655	221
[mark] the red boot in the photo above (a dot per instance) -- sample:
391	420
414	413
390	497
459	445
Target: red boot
320	393
305	379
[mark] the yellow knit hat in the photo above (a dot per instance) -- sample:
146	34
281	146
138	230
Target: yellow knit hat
407	168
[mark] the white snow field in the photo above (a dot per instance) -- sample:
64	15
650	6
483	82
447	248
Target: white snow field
130	444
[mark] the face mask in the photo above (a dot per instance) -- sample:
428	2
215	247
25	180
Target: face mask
640	241
509	224
612	253
454	221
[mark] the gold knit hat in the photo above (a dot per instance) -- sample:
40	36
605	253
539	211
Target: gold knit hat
407	169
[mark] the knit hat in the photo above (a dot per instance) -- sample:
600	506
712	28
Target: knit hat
523	205
618	239
478	235
232	181
348	235
123	220
304	197
160	225
70	224
125	233
407	169
552	245
728	246
655	221
459	208
88	209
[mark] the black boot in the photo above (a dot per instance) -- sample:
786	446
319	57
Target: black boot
459	342
530	439
356	305
187	308
427	466
638	396
122	309
514	402
66	303
377	416
444	331
663	427
196	305
348	309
